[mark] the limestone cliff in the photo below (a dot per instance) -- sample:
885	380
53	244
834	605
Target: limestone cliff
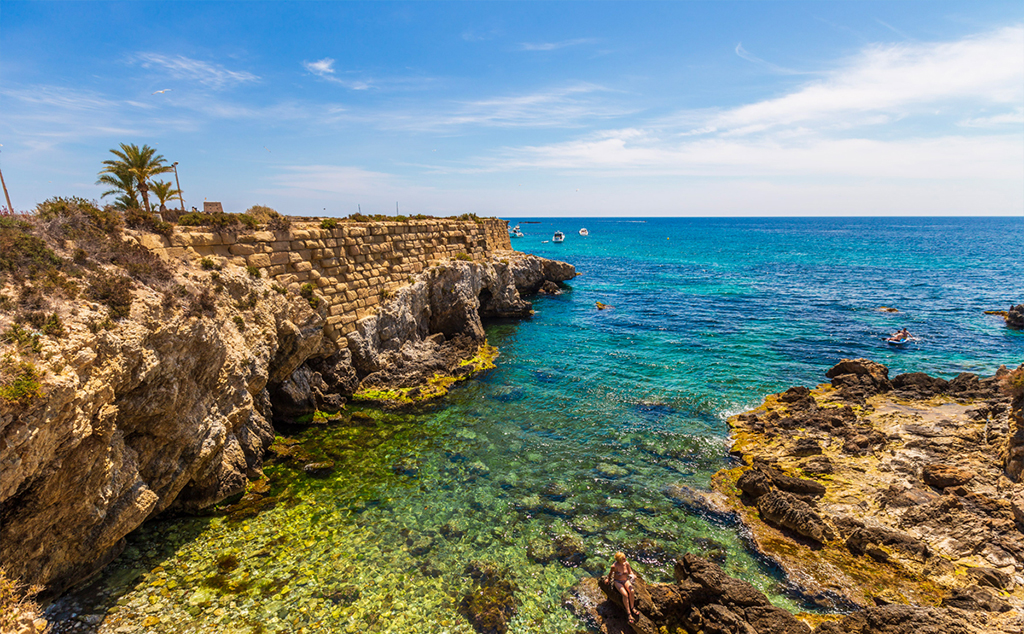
172	405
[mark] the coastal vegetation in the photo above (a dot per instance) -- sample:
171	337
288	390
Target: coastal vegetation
131	171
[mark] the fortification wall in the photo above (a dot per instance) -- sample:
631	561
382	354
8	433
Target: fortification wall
354	266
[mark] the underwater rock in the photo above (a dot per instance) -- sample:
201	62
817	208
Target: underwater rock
319	469
492	602
406	467
541	550
454	529
569	550
343	595
612	471
549	288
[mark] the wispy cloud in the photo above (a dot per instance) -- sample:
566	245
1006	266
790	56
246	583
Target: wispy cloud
184	68
551	46
775	68
323	67
888	113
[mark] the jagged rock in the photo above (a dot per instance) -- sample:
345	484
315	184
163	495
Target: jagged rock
856	379
992	577
1015	317
167	409
906	619
786	510
919	384
549	288
943	475
975	599
702	599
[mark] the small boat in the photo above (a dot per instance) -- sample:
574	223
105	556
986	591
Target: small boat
515	232
584	232
558	237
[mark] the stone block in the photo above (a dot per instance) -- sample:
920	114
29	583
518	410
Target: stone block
299	266
259	260
279	258
227	238
153	241
242	249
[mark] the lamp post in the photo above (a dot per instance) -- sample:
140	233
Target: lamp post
178	184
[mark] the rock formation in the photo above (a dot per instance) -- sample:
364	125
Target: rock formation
173	407
871	490
1015	317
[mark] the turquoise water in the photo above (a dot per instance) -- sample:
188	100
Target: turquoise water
576	439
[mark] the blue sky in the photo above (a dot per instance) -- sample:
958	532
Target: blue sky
529	108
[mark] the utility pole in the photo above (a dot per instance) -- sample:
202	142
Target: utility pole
178	184
396	207
10	207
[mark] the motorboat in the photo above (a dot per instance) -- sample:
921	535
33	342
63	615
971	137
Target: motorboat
515	232
584	232
558	237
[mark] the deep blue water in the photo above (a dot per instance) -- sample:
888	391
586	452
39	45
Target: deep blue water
589	420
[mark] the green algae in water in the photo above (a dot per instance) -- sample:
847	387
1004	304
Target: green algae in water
382	543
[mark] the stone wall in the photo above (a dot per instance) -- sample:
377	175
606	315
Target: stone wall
354	266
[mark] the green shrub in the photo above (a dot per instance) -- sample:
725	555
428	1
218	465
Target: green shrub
239	323
280	290
140	263
114	291
464	257
191	219
25	340
306	291
254	272
328	223
19	381
262	214
22	254
1014	383
207	264
106	220
248	221
53	327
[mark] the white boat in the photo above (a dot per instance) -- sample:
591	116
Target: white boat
558	237
584	232
515	232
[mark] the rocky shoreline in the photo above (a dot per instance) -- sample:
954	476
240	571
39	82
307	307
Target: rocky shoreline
173	406
898	500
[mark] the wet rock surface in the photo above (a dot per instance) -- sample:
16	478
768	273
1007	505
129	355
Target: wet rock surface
702	599
909	498
492	602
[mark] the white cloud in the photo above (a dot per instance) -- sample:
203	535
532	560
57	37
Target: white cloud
551	46
899	79
321	67
184	68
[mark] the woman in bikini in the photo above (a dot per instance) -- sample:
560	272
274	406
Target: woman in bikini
621	577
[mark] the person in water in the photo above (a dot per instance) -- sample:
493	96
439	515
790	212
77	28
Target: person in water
621	577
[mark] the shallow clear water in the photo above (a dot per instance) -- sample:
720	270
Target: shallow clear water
578	436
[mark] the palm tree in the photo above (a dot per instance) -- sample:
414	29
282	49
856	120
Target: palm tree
163	192
141	163
123	183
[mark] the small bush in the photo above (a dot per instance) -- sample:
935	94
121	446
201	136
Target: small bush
140	263
328	223
306	291
16	604
262	214
464	257
53	327
19	381
248	221
106	220
279	223
191	219
280	290
6	303
254	272
239	323
22	254
114	291
25	340
207	264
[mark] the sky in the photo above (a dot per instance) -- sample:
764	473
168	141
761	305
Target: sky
526	109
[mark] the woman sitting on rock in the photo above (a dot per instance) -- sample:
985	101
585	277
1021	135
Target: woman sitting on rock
621	577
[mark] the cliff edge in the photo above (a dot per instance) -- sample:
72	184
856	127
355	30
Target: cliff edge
133	384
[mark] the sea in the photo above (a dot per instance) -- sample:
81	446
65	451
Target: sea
575	446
